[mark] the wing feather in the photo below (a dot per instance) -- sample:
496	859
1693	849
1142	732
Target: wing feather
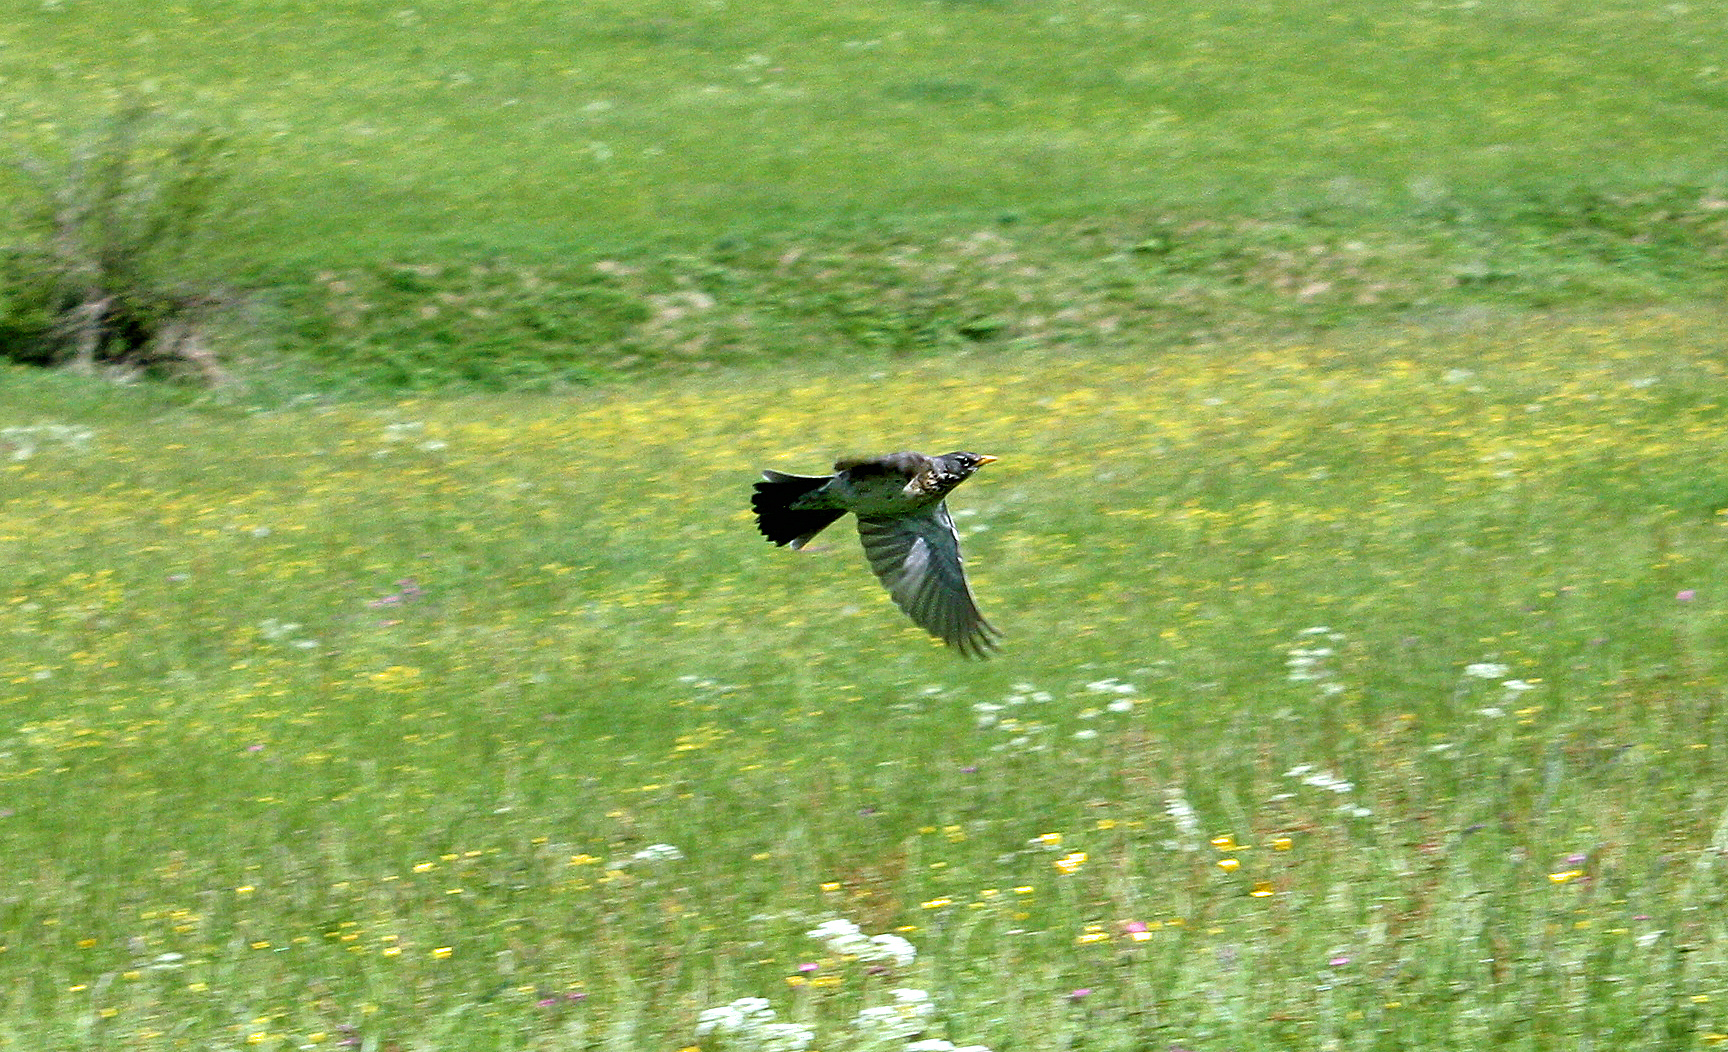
917	558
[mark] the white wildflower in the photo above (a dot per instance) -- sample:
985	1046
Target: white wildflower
1486	670
1320	779
1182	814
891	949
846	939
275	630
1307	664
746	1013
917	1001
657	853
842	936
783	1037
829	929
749	1023
278	632
1111	686
905	1018
1517	686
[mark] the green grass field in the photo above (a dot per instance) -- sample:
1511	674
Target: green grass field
532	194
1356	694
414	132
1357	376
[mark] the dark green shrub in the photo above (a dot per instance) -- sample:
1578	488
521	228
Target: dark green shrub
109	230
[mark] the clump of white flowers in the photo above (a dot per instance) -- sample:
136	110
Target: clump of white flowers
1310	662
657	853
1024	713
1510	689
845	939
281	632
1112	685
650	855
1182	816
907	1017
1319	778
749	1024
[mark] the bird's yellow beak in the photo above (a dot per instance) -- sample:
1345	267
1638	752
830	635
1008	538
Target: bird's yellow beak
984	458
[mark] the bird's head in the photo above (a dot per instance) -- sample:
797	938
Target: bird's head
962	465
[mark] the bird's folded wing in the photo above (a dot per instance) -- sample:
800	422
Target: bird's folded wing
918	559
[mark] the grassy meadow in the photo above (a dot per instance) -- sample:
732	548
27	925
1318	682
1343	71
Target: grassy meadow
528	194
1362	693
1357	376
368	132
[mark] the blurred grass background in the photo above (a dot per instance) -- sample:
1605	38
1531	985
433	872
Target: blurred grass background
1357	693
1357	376
535	195
420	131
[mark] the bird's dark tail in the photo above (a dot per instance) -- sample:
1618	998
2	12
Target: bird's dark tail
779	522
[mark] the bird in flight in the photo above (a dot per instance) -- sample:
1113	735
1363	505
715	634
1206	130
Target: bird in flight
903	520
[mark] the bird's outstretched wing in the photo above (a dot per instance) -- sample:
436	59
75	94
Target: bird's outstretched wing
918	558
